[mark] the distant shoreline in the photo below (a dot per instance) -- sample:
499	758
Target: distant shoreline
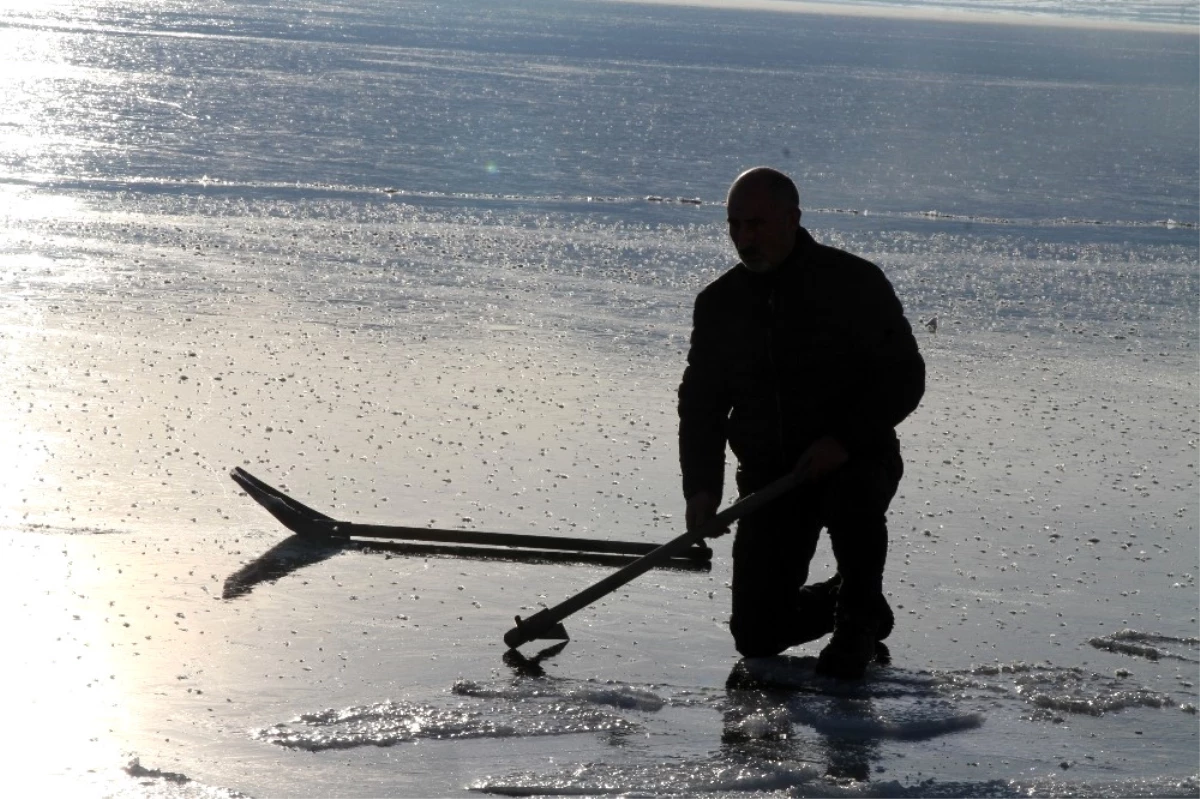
933	14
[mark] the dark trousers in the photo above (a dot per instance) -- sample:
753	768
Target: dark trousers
774	545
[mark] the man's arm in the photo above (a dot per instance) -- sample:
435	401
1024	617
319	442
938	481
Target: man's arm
704	404
891	375
823	456
701	507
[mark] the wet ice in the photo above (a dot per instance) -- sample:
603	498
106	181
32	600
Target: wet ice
486	332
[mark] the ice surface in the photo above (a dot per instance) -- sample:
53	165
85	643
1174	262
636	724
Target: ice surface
433	264
616	695
390	723
152	783
1156	14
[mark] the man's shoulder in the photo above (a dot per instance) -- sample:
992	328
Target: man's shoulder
731	281
830	257
838	267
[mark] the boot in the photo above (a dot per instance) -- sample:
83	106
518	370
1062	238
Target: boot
852	647
819	601
818	604
884	618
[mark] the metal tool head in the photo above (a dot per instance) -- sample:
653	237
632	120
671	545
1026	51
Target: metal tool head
555	632
532	630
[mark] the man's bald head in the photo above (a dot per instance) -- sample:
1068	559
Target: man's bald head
763	208
781	188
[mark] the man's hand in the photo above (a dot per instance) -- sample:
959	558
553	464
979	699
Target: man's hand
701	507
824	456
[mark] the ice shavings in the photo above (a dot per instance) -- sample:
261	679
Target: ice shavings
726	774
1147	645
769	723
609	694
1109	789
1072	702
621	697
684	778
390	723
500	710
1054	691
1049	786
805	781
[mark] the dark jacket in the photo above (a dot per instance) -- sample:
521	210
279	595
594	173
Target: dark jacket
817	346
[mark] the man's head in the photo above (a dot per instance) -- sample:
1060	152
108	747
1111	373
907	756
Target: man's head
763	207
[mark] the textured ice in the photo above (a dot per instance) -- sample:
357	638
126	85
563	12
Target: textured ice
742	780
1156	11
610	694
1054	690
904	707
803	782
683	778
1169	14
390	723
153	783
1166	787
1149	645
486	710
781	692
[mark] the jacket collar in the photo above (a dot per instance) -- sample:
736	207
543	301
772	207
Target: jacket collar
792	264
804	243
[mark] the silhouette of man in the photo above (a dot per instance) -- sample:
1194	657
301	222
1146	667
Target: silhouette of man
801	359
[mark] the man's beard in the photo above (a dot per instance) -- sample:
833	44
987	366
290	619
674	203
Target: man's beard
754	261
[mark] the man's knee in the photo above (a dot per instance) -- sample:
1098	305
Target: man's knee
753	639
805	617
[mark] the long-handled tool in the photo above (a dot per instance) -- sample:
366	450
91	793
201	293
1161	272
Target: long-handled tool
305	521
547	623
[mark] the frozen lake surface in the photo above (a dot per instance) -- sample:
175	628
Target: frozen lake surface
434	265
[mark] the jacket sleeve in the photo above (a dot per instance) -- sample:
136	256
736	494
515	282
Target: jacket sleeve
704	404
890	381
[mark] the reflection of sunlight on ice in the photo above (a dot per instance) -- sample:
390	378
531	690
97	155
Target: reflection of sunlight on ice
24	456
30	6
47	101
1166	16
61	696
27	70
24	203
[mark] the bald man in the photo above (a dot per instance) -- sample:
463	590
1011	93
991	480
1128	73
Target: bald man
801	360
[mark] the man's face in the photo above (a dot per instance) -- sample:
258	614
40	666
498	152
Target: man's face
763	230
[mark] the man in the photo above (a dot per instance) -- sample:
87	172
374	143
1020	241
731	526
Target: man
801	359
